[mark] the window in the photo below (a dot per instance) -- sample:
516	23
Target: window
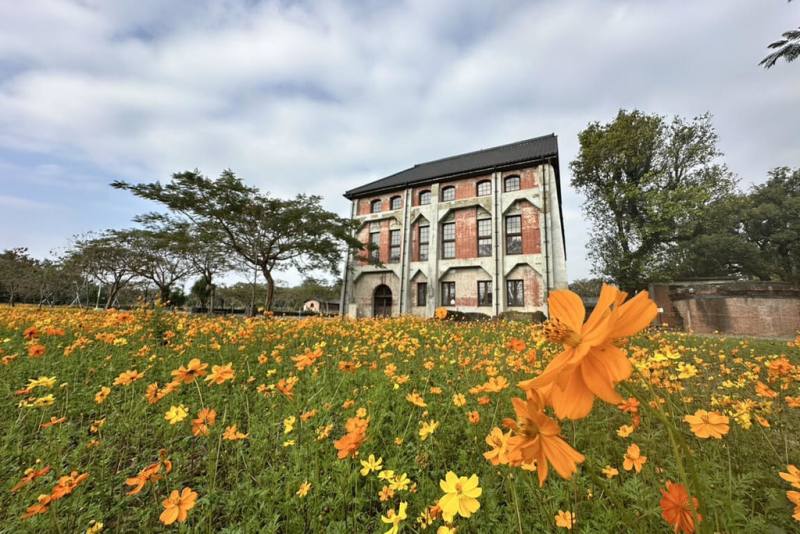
424	198
394	203
422	293
394	246
514	234
448	293
484	237
375	242
511	184
484	293
449	240
448	193
375	206
424	233
484	188
515	293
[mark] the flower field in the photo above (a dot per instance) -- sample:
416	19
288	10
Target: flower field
153	420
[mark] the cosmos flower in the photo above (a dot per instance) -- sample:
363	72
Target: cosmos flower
676	510
177	506
460	496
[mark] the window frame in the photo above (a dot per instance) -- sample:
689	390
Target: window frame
510	235
392	202
393	246
506	181
426	243
447	241
422	291
375	253
484	237
448	189
486	284
376	202
450	291
429	197
521	302
478	188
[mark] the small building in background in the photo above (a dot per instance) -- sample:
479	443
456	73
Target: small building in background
323	307
770	309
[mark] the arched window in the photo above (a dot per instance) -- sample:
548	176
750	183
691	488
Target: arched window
375	206
511	183
394	203
424	197
448	193
484	188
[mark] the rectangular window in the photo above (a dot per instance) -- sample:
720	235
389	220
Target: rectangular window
514	234
424	236
394	203
424	198
375	243
511	184
394	246
515	293
422	293
448	293
484	188
484	237
449	240
448	194
484	293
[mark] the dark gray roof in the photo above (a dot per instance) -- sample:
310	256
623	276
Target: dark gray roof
499	157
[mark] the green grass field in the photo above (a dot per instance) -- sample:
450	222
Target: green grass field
371	368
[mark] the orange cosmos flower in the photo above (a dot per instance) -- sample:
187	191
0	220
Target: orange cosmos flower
474	417
221	374
194	369
35	350
794	498
126	378
232	434
633	458
416	399
148	474
440	313
205	419
349	444
591	363
53	422
30	333
498	441
177	506
31	474
792	476
537	437
676	510
708	424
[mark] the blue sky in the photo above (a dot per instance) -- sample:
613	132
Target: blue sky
322	97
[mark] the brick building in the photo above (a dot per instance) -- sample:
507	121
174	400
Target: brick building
452	231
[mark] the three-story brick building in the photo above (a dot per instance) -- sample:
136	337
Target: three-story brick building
478	232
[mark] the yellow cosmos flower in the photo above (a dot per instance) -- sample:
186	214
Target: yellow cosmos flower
427	428
176	414
395	518
371	465
460	496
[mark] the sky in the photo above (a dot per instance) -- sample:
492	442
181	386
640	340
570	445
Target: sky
320	97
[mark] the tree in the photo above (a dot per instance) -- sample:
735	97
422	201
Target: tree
788	48
17	273
269	234
587	287
107	260
645	181
158	254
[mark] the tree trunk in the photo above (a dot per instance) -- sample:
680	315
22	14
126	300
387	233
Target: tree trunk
163	294
211	295
270	289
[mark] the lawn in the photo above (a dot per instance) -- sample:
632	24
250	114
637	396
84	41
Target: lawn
300	406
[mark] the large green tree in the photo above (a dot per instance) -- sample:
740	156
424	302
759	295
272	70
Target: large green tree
645	181
267	233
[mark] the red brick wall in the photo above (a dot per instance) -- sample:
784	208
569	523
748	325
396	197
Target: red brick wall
466	233
383	247
415	194
365	204
531	232
466	188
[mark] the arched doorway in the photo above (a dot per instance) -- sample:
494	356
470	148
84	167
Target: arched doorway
382	301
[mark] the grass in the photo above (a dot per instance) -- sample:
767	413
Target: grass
250	485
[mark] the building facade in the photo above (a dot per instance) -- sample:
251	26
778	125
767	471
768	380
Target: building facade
479	232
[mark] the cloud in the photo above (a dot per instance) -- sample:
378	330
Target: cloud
322	97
